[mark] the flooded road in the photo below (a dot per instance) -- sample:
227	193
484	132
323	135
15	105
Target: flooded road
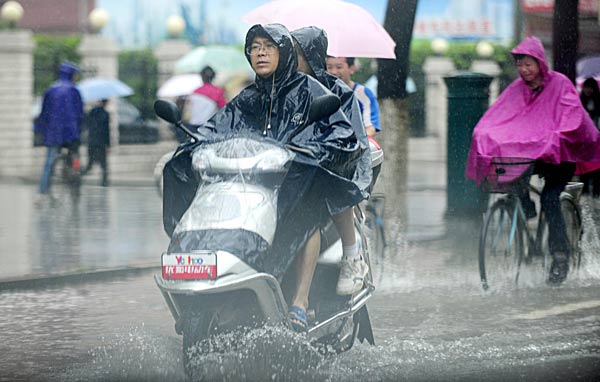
431	322
431	319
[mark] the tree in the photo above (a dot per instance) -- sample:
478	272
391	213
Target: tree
565	37
391	91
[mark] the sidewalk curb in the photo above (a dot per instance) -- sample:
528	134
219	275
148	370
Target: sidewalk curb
71	278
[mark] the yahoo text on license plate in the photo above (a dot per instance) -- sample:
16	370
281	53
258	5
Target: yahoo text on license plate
189	266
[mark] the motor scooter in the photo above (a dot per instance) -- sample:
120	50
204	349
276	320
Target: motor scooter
210	290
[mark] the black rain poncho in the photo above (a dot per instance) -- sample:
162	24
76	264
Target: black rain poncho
285	98
313	43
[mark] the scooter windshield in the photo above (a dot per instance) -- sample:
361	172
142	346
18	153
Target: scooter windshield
242	155
238	192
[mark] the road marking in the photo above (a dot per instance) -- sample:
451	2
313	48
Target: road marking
556	310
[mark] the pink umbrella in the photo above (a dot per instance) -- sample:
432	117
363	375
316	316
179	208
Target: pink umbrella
351	30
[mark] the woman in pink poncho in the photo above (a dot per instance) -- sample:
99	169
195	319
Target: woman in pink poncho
539	116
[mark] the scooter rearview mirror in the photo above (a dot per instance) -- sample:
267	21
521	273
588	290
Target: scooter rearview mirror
322	107
167	110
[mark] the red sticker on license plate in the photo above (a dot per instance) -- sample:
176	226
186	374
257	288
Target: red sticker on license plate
189	266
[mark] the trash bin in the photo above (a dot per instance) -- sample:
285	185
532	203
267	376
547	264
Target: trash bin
468	99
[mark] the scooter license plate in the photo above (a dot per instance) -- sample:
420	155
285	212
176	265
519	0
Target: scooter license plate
189	266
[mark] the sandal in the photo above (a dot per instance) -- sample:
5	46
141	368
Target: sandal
297	319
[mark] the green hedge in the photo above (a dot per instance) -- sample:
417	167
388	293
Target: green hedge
49	53
139	70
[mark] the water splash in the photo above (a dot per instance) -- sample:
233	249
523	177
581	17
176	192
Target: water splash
133	355
589	271
263	354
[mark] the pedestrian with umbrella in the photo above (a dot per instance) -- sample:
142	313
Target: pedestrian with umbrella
98	124
98	119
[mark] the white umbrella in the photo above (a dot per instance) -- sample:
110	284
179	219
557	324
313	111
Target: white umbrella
180	85
97	88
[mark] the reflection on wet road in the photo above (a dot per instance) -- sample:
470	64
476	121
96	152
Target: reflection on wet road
110	227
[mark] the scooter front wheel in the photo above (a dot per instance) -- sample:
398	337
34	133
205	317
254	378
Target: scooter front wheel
196	335
218	314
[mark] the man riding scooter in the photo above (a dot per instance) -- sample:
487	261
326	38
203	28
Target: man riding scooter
327	152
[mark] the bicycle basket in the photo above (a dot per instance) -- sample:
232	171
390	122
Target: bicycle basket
508	174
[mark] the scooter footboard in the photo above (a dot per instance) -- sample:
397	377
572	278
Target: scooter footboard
177	293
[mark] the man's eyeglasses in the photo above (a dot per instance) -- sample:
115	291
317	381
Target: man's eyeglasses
268	48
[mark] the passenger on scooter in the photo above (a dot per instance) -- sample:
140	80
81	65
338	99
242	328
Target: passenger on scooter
276	106
311	49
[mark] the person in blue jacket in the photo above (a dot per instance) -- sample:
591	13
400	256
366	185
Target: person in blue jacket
343	68
60	120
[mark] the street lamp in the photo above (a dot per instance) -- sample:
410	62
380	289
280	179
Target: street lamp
12	13
98	19
175	25
439	46
484	49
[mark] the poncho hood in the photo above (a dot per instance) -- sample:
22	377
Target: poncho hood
313	43
66	71
532	46
287	57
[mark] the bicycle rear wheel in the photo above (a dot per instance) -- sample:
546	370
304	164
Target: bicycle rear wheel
375	227
501	246
572	216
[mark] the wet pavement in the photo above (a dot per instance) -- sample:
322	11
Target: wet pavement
109	228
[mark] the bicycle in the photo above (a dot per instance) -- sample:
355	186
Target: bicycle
506	239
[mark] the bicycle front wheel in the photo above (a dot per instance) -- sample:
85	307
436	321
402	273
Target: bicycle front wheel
501	246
